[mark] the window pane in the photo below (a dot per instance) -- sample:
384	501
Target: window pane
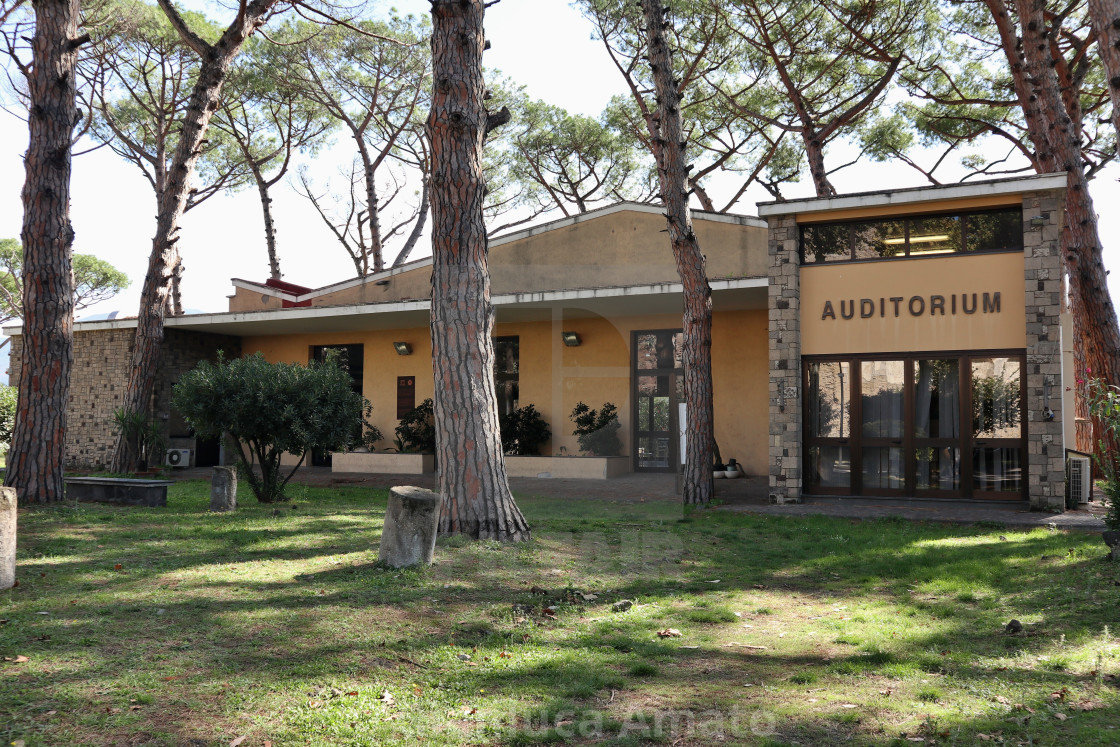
830	466
938	468
882	468
995	231
937	399
881	399
996	409
828	400
653	452
827	243
506	355
879	239
661	349
938	235
997	470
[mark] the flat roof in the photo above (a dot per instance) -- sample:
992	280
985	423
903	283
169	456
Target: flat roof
915	195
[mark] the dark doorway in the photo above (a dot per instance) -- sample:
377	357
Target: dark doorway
658	390
351	358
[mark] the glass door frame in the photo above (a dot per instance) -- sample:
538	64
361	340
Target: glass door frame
855	441
673	461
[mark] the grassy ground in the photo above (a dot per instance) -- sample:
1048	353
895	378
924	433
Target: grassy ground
177	627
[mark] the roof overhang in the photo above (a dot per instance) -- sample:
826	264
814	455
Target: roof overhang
965	191
631	300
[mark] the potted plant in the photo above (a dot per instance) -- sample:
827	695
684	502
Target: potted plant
524	431
733	469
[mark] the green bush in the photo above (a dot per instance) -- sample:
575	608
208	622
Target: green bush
271	408
523	431
143	438
416	433
597	431
8	401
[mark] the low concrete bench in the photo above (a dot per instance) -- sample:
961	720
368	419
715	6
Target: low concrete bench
126	490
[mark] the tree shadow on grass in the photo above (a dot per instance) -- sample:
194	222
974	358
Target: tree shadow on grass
358	623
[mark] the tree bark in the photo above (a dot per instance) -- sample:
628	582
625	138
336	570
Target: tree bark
1106	24
673	175
38	449
269	223
163	264
814	152
476	498
1095	330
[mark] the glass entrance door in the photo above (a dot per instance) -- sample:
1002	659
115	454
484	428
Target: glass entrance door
933	426
658	391
882	425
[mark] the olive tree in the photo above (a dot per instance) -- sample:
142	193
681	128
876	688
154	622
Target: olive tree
269	409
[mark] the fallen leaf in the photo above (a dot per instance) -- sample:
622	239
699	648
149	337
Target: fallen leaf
504	655
589	597
20	659
117	567
468	711
387	698
237	741
1001	699
1060	716
352	693
50	713
849	705
669	633
135	708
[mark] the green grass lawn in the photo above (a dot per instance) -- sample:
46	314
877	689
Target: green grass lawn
177	627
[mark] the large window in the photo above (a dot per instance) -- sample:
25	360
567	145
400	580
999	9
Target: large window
933	426
913	236
657	372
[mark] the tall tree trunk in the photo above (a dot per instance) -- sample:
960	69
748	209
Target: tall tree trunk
476	498
1106	24
269	224
163	264
375	251
673	174
38	447
814	152
1095	330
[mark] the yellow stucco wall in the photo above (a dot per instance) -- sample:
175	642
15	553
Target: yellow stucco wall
621	248
554	378
884	331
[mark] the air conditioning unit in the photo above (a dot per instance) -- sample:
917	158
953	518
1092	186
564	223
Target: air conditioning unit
1079	479
177	458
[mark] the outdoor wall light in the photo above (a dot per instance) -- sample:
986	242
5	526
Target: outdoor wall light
571	339
403	348
1038	221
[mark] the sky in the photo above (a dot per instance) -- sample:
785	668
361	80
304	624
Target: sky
544	44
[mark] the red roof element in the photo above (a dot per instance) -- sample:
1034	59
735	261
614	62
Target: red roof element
295	290
290	289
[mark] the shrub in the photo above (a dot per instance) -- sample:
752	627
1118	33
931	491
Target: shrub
523	431
417	430
269	409
8	400
597	431
143	438
1104	406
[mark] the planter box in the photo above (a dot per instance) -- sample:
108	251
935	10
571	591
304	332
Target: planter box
383	463
579	468
118	490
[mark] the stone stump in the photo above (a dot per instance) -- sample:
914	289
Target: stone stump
7	538
411	523
223	489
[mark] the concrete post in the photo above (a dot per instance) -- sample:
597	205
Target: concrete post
411	522
223	489
7	538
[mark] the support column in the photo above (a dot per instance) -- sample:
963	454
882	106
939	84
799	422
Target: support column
1043	278
785	360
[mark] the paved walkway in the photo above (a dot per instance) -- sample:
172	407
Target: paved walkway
745	495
